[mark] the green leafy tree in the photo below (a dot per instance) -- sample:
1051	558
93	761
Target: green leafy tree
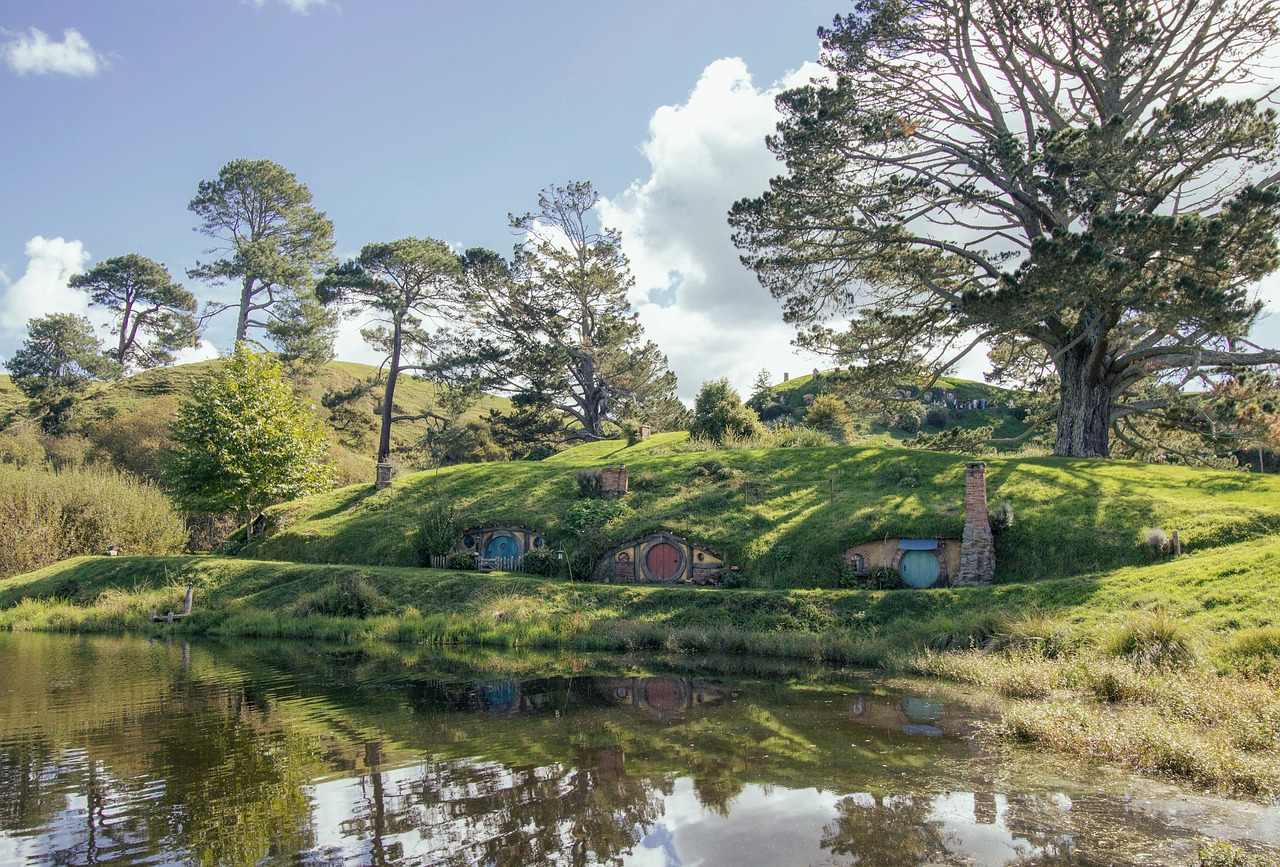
59	358
243	442
557	322
406	284
718	414
1064	179
152	315
272	242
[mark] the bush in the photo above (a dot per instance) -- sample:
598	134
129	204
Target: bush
956	440
645	481
1001	517
718	414
1156	542
1153	638
47	516
907	420
937	415
438	531
344	597
464	561
830	416
590	484
898	474
541	562
587	515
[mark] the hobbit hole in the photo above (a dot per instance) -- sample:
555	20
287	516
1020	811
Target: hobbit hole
660	558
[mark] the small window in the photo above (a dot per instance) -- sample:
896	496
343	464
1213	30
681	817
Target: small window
624	557
699	556
537	543
469	541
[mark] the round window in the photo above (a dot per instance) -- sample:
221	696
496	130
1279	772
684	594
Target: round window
469	541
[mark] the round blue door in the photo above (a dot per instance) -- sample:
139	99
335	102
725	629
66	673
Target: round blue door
501	546
919	568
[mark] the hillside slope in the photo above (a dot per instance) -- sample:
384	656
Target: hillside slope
785	515
126	418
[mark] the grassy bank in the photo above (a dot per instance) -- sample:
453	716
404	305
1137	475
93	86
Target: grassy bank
785	515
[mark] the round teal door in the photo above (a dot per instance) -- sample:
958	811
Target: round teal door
919	568
501	546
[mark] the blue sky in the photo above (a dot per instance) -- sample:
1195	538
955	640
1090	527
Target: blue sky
411	118
404	118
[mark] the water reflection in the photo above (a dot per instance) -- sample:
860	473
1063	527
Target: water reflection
127	751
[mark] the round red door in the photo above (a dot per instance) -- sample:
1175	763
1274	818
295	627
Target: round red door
663	561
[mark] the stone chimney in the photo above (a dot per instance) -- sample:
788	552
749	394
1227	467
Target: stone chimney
613	481
786	377
384	477
977	547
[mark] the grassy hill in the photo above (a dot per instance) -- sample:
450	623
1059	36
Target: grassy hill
787	401
784	515
126	419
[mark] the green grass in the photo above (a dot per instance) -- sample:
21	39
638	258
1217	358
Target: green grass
1072	517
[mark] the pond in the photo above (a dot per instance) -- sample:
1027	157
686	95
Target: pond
125	750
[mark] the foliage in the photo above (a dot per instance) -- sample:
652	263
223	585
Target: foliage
350	596
957	440
1153	638
465	560
58	359
555	326
271	242
590	484
438	530
1067	181
937	415
540	562
899	473
152	314
47	516
407	283
586	515
718	413
1157	542
242	441
830	415
1000	518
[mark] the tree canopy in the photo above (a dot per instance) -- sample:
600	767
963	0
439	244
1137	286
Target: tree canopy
60	356
243	441
1067	180
273	243
559	329
152	314
406	284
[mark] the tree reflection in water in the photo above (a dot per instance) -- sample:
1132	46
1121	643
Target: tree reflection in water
142	752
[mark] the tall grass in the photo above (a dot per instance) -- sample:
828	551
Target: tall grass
47	516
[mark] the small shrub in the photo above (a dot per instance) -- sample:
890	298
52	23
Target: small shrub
1157	542
907	420
883	578
351	596
734	579
461	560
1256	649
590	484
644	482
1153	638
586	515
937	415
898	474
1001	517
957	441
711	470
438	531
1220	853
541	562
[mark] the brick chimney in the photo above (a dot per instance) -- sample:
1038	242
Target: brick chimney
613	481
977	547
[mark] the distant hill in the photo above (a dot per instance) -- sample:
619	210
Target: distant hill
1003	409
126	419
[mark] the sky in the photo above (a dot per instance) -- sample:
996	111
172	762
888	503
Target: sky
405	118
410	118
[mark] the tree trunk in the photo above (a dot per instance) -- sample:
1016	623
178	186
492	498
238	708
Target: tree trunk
389	394
242	319
1084	405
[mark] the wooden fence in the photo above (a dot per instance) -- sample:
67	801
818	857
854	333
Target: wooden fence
487	564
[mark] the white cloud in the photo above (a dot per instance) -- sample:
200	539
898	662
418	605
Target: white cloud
36	53
302	7
696	299
204	352
42	289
